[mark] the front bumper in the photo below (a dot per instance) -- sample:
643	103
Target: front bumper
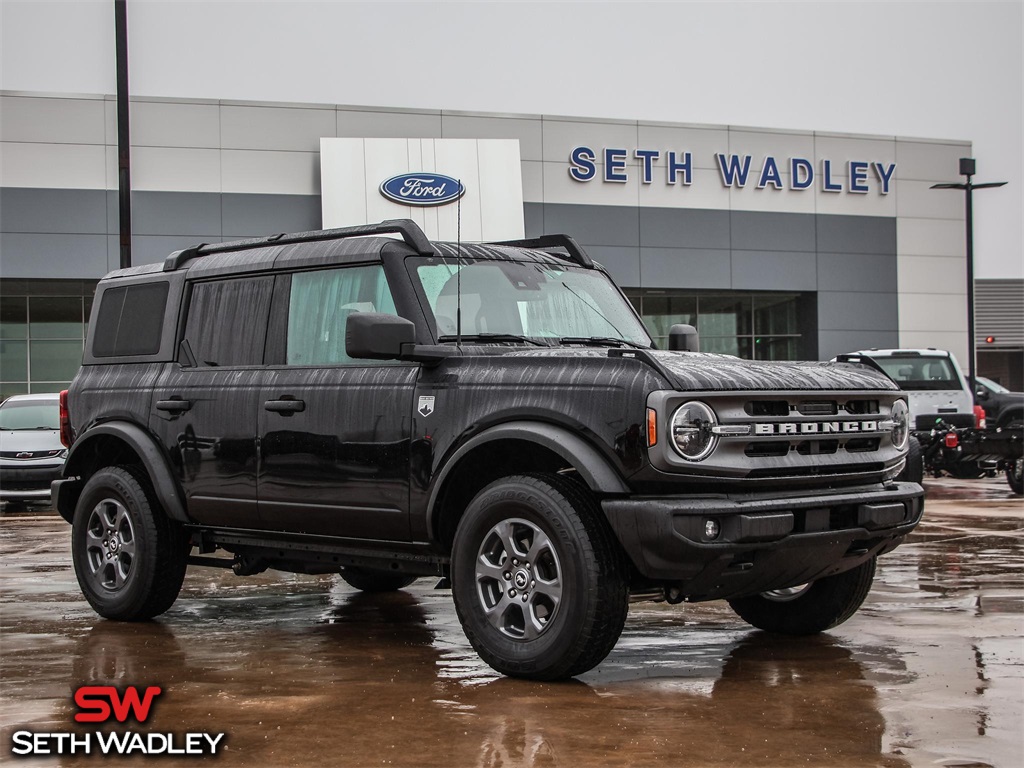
766	541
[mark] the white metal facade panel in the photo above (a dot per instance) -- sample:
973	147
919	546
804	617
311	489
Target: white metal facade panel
489	169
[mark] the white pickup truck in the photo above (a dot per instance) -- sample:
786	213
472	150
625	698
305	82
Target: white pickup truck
951	431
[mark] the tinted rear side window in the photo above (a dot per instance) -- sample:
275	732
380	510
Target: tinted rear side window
227	321
130	320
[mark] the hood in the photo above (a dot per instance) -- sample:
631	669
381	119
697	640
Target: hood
700	371
30	440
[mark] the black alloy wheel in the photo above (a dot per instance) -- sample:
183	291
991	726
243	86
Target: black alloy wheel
130	559
538	578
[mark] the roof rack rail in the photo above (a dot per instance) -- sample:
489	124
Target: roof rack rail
576	253
407	228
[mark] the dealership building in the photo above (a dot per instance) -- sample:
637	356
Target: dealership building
775	244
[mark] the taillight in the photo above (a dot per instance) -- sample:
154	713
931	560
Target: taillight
979	417
67	437
952	440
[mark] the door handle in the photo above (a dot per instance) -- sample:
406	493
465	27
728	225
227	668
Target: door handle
285	407
173	406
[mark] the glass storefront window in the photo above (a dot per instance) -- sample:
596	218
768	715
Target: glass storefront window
662	312
776	348
776	315
13	360
13	317
762	326
13	388
55	360
42	333
55	317
724	315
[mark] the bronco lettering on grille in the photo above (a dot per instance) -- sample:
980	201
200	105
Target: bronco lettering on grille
813	428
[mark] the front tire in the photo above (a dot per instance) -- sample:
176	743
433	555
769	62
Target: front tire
811	608
913	472
129	557
537	577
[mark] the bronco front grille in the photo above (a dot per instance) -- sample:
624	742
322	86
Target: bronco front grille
787	434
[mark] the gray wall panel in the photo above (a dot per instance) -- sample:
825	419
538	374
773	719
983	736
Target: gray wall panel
685	268
840	311
774	271
174	213
152	249
533	219
756	231
622	263
52	255
677	228
70	211
869	272
594	225
856	234
269	214
832	343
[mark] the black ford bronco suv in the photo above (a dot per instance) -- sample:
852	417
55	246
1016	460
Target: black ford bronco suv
493	414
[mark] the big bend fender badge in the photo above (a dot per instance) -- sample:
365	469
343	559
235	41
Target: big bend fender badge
426	405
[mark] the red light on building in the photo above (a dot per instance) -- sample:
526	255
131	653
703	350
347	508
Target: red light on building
990	339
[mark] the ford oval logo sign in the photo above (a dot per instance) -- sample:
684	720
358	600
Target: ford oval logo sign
422	189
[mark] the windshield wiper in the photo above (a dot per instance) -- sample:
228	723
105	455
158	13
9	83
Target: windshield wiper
499	337
599	341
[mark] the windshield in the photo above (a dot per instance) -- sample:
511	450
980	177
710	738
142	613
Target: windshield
989	384
29	416
540	302
920	373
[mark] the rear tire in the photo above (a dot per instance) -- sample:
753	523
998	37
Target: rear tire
129	557
376	581
1015	477
538	579
820	605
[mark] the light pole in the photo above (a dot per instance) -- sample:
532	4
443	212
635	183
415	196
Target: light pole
124	183
967	168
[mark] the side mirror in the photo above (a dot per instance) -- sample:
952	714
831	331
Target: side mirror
377	336
683	338
982	393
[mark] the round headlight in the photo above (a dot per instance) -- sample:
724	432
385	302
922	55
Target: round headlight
691	431
900	424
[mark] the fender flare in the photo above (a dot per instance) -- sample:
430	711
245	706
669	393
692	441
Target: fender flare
595	470
165	486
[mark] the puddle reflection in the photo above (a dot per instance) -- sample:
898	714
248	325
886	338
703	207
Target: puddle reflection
372	680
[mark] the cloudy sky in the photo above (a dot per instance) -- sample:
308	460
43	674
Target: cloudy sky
923	69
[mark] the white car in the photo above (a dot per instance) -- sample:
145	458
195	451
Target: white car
934	383
31	454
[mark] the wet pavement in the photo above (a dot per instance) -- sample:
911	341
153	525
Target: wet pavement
302	670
